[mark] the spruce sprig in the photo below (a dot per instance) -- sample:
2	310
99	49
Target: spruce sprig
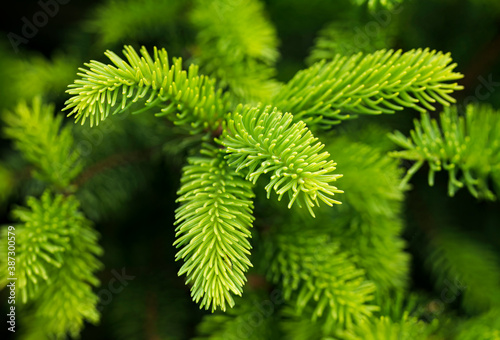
213	227
314	272
467	147
188	99
374	5
237	44
56	259
44	142
260	141
376	83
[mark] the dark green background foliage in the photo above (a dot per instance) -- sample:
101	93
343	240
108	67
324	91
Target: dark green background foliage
189	209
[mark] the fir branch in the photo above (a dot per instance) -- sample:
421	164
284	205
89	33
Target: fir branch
409	328
482	327
464	266
238	323
313	271
299	326
117	21
186	98
374	5
237	45
239	28
56	257
339	37
369	220
381	82
42	76
111	183
213	227
120	163
259	141
469	144
400	304
39	135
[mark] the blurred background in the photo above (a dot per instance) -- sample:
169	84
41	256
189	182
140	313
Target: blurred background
129	191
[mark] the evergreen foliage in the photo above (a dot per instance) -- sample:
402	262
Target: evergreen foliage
368	221
241	322
185	161
339	38
484	327
315	271
242	59
260	141
55	264
116	21
377	4
213	228
44	142
384	328
44	76
381	82
117	153
469	145
47	77
472	273
189	99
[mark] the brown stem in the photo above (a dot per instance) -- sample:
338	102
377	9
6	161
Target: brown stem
113	161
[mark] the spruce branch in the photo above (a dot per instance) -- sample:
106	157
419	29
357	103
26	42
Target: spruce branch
485	326
313	271
409	328
238	27
404	327
259	141
39	135
341	37
115	22
398	304
469	269
381	82
213	227
237	323
186	98
42	76
56	257
237	45
470	145
299	326
369	220
374	5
